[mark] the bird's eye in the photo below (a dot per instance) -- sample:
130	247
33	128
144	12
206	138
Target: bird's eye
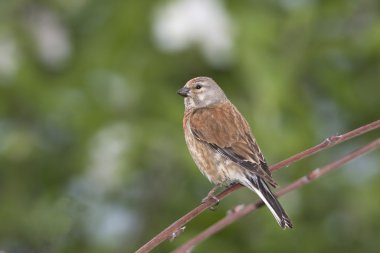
198	87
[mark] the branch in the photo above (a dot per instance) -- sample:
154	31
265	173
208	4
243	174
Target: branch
241	211
175	228
327	143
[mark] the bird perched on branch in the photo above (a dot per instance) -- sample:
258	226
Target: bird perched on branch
222	145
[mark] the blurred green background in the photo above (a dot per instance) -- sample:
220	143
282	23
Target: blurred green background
92	154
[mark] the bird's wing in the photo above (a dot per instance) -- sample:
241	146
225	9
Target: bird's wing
225	130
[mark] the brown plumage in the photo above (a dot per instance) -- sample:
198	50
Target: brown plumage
222	145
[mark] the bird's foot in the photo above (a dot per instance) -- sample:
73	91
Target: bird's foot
211	196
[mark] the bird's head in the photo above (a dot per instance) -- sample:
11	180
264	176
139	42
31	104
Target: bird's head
201	92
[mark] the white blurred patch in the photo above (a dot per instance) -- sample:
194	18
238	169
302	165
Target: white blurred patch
184	23
110	224
8	57
106	153
107	150
107	223
50	36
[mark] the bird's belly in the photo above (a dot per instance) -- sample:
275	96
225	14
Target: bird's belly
212	164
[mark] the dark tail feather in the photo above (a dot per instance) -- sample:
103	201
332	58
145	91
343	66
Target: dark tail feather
259	186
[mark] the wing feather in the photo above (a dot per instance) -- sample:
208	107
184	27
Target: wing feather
225	130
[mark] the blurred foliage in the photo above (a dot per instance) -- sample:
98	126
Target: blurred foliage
92	157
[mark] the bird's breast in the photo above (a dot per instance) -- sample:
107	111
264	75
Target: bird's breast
212	164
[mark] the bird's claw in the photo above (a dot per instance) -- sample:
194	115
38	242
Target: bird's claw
215	205
214	199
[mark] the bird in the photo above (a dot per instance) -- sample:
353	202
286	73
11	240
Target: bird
222	146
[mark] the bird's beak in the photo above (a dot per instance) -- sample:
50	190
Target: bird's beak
184	91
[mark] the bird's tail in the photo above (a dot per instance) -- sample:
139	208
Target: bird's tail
259	186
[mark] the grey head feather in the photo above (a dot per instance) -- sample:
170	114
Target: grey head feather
203	92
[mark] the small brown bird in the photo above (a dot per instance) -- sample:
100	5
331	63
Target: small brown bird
222	145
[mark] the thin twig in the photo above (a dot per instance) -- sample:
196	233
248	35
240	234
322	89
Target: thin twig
173	229
327	143
313	175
